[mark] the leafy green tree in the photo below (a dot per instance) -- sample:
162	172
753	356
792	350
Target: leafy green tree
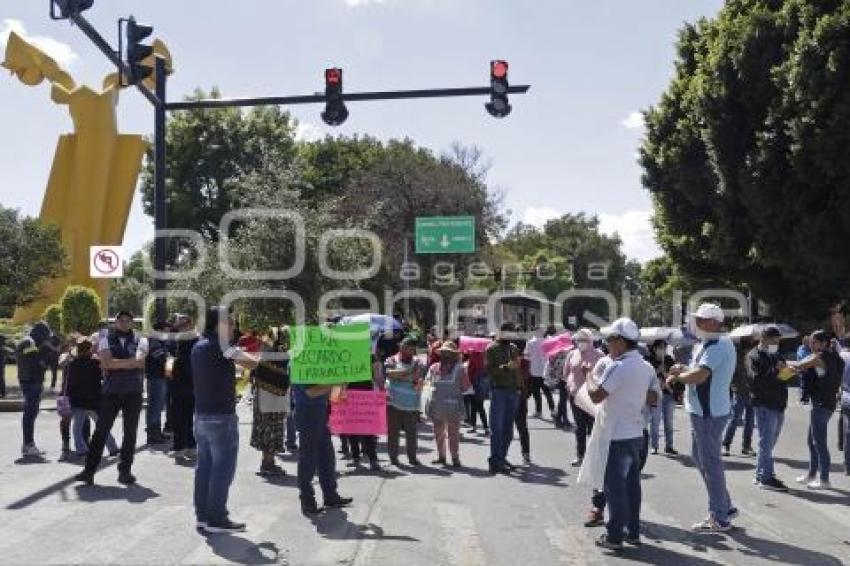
81	310
53	317
747	154
31	251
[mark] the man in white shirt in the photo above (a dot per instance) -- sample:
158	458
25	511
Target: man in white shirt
625	388
536	368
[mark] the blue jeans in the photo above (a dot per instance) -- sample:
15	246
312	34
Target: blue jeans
503	407
218	444
707	432
663	413
156	402
622	488
316	452
818	449
741	405
80	417
32	402
770	425
846	445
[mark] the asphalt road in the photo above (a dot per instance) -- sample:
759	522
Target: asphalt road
429	516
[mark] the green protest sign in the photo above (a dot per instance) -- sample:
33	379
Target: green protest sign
322	355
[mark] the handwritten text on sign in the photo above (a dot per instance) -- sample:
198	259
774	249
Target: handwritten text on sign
325	356
360	412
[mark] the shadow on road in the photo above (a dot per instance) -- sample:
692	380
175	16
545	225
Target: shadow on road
243	551
132	494
334	525
542	475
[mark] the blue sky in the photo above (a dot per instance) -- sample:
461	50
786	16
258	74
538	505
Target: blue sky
569	146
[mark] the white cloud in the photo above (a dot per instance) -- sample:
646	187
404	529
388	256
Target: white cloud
305	131
635	229
633	121
537	216
61	52
355	3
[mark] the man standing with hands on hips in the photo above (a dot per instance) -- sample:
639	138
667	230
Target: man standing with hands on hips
707	402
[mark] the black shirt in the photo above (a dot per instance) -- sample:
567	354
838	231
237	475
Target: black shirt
84	377
214	378
766	389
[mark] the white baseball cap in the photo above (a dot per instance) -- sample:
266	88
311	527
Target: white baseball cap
709	311
623	327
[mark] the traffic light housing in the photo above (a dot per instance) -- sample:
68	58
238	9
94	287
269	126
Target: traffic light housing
335	111
137	51
68	8
498	106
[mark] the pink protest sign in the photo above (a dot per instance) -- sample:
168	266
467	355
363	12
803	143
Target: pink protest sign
555	344
473	344
360	412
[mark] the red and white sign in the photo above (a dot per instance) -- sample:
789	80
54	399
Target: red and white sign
106	262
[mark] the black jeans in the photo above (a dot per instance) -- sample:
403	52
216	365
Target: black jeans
478	410
398	421
538	391
130	406
366	444
316	452
561	416
521	422
584	426
182	411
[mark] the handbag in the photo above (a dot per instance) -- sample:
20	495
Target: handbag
63	406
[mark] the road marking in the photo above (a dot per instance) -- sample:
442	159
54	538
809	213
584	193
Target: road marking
462	541
574	541
250	545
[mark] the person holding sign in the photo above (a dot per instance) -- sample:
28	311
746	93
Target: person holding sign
448	381
404	373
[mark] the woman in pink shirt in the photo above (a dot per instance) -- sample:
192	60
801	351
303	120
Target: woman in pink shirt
579	364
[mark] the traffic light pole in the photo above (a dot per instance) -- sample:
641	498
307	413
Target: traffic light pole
161	106
160	211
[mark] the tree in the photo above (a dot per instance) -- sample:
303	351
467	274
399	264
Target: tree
31	251
53	317
80	310
209	151
747	155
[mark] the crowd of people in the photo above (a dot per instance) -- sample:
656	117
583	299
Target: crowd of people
619	392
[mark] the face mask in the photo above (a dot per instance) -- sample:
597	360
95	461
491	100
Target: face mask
583	346
772	348
660	352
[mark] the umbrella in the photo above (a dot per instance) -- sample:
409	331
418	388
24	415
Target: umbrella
754	330
377	322
556	344
671	335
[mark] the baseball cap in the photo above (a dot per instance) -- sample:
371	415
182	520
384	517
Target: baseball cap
123	312
771	331
709	311
622	327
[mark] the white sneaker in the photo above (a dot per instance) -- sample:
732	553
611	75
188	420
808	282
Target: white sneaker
818	484
804	479
31	450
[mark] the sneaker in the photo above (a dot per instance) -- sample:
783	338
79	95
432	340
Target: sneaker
748	452
374	466
538	415
804	479
726	451
310	507
711	525
670	451
226	526
596	518
733	513
633	541
818	484
602	541
526	459
439	461
414	462
126	478
336	501
508	466
271	470
85	477
772	484
31	451
456	462
655	451
395	462
577	462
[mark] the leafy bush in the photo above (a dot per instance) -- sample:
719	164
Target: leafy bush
80	310
53	317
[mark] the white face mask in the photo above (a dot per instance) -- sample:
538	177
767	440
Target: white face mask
660	352
583	346
772	348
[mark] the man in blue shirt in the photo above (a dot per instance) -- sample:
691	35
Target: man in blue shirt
707	401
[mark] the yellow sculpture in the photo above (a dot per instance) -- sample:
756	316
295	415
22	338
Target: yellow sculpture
94	171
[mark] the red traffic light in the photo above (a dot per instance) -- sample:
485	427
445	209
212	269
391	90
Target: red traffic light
333	76
499	69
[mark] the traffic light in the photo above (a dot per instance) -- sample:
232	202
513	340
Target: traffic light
137	51
68	8
335	111
498	105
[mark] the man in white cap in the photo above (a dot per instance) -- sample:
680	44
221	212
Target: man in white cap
708	379
625	387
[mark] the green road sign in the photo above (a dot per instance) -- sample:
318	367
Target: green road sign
445	235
